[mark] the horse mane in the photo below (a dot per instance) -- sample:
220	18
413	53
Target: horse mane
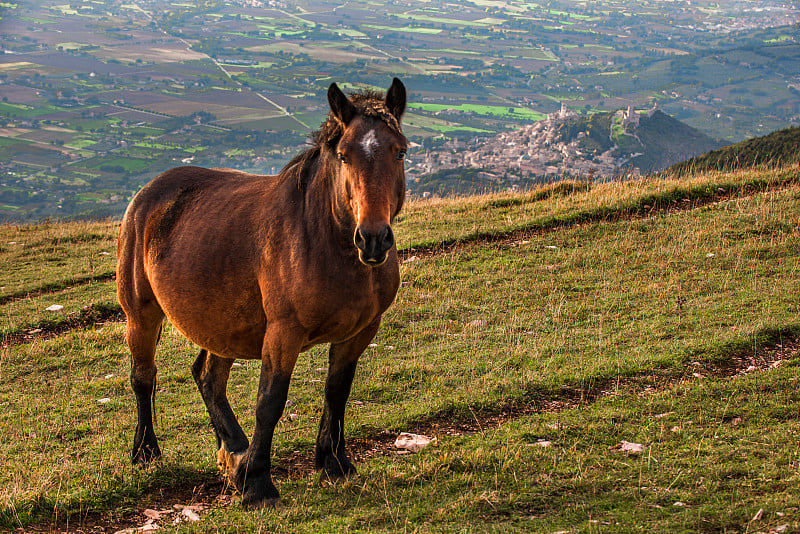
369	104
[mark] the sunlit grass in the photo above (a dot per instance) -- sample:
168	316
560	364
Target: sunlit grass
599	301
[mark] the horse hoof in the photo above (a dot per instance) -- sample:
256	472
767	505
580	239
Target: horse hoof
329	478
262	504
333	469
145	455
228	463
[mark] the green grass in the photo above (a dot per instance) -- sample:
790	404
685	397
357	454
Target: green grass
481	23
90	124
51	256
81	143
431	221
349	32
128	164
495	481
595	301
29	313
416	122
448	129
11	141
448	50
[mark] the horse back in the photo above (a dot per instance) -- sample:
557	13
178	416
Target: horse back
181	219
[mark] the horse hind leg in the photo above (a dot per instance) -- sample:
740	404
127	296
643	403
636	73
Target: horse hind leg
142	337
211	374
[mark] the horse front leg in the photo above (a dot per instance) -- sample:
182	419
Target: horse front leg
211	374
253	476
330	454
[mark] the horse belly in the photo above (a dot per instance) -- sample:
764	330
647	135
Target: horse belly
225	319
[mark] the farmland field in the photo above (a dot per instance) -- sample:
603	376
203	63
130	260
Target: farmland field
115	75
534	336
478	109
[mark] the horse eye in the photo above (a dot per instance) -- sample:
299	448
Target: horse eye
401	154
342	158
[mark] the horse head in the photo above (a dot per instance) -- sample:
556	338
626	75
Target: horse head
369	152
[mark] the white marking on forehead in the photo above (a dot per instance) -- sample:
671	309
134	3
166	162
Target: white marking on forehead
370	142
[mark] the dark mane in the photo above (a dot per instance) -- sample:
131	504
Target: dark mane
369	104
301	167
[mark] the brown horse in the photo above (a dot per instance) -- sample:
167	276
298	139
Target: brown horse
266	267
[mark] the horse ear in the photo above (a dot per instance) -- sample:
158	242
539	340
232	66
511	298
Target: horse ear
342	108
396	98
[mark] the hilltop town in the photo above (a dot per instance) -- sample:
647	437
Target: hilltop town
566	143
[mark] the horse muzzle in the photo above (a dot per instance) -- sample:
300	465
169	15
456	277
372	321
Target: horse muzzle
373	246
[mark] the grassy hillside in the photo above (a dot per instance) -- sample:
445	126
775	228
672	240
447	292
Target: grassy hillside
662	312
776	149
666	141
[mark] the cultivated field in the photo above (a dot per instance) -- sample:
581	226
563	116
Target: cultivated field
535	336
90	83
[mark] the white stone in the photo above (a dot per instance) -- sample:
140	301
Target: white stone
412	442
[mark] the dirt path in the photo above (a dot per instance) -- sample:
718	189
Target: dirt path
61	285
93	316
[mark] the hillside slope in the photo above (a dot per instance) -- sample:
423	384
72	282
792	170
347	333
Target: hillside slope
648	142
537	336
665	141
776	149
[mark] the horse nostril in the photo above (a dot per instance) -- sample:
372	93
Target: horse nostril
387	238
359	240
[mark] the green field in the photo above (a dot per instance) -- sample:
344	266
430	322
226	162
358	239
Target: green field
661	312
572	15
22	110
407	29
480	109
351	33
488	21
11	141
81	143
128	164
38	20
416	123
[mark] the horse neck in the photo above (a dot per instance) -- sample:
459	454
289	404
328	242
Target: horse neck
326	212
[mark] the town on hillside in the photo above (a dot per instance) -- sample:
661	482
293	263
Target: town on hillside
625	143
538	149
